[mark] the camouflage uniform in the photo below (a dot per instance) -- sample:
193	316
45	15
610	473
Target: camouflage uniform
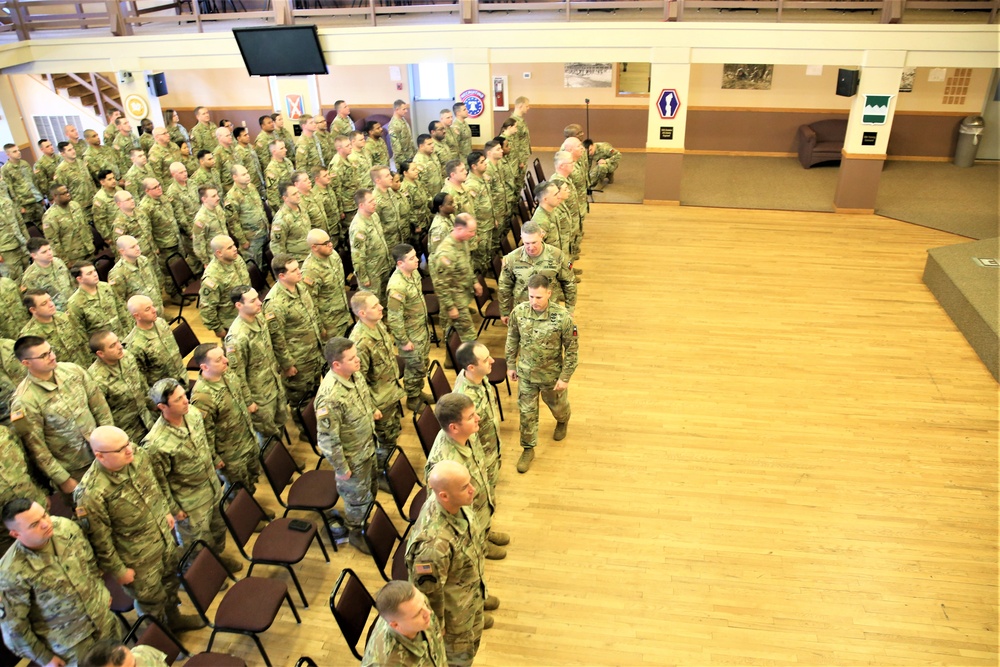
124	514
472	456
388	205
14	314
346	181
77	179
184	463
160	159
308	153
23	190
203	137
13	238
312	205
245	215
445	151
401	136
460	197
486	222
247	156
44	169
342	125
217	309
288	232
54	279
99	158
146	142
519	266
208	224
485	399
570	219
261	144
103	210
123	145
11	374
15	479
611	156
362	166
370	254
406	317
451	272
292	321
286	135
431	173
463	138
128	279
378	366
157	353
127	393
133	180
147	656
54	600
251	357
520	146
166	235
420	208
275	174
388	647
439	230
327	197
223	167
103	310
552	225
324	277
64	335
499	193
68	232
345	416
377	152
54	419
136	225
535	347
228	426
445	559
185	202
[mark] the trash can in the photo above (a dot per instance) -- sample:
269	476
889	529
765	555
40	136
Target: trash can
968	140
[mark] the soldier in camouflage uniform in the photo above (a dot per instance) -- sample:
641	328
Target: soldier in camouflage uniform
48	273
103	207
123	143
224	401
534	257
389	206
407	321
163	153
325	139
94	305
327	196
378	366
293	322
463	135
495	182
452	133
454	280
54	602
245	214
445	148
342	124
134	274
13	237
55	408
431	168
251	357
443	208
15	479
369	252
130	221
547	215
264	139
346	179
45	166
323	275
65	226
454	185
121	506
68	341
481	203
418	201
291	223
224	159
311	202
207	174
476	364
138	172
12	308
153	344
308	148
541	352
521	137
183	197
603	159
185	462
345	417
407	633
226	271
444	558
400	134
203	133
109	653
73	137
11	374
208	223
564	178
73	173
124	386
278	171
245	156
458	440
375	146
21	182
166	233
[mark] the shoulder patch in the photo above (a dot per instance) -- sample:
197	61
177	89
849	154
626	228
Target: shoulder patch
308	280
17	414
423	568
81	511
323	412
445	260
119	231
397	296
111	281
359	236
208	282
269	316
199	224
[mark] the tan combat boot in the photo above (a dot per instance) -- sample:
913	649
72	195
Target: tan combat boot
560	432
527	456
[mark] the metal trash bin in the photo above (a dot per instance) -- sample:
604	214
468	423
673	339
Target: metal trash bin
968	140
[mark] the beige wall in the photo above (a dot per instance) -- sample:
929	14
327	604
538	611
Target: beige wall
546	87
229	88
790	89
362	85
35	98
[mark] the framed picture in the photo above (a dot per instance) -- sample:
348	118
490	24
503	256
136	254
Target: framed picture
747	77
588	75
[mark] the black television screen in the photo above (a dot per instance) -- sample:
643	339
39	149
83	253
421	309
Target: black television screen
291	50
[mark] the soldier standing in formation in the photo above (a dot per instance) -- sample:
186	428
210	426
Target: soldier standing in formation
407	320
226	271
400	134
541	355
407	633
47	272
476	364
14	483
153	344
454	280
134	274
323	274
369	252
66	339
94	305
534	256
67	227
122	383
245	211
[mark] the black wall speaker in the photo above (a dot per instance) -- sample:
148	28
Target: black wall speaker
158	84
847	82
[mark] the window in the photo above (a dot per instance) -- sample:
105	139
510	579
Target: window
433	81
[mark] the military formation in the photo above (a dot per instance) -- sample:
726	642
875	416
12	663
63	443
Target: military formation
96	403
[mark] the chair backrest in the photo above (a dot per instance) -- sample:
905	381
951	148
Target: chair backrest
257	280
437	380
156	635
400	366
402	478
279	466
179	270
35	232
515	228
537	164
497	266
352	609
483	299
99	242
305	661
202	574
522	209
241	513
307	413
529	179
427	428
399	571
454	342
505	245
186	338
380	536
419	498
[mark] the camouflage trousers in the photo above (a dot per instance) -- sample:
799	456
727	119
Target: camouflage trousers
203	523
527	406
415	368
187	249
108	627
462	324
491	447
243	469
337	325
378	285
256	250
154	588
168	282
482	254
387	432
270	418
15	261
461	647
358	493
33	214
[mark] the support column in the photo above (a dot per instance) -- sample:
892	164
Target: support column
861	165
137	100
670	70
472	73
295	95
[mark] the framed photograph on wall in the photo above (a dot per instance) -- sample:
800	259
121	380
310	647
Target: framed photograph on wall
588	75
747	77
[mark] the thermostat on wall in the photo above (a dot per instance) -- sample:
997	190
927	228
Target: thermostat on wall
527	75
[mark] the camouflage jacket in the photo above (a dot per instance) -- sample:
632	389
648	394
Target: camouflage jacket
251	357
519	266
406	312
103	310
64	335
288	232
127	393
157	353
452	274
345	417
128	279
388	647
401	136
293	323
544	345
223	407
378	363
369	252
184	462
54	279
162	221
219	279
324	278
472	456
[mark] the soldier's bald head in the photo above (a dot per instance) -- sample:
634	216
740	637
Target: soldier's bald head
220	242
446	475
125	241
150	184
317	237
138	302
176	168
107	437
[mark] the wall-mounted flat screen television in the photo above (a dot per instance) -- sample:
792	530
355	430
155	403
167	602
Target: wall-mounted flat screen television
285	50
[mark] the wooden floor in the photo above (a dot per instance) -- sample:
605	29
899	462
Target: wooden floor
782	452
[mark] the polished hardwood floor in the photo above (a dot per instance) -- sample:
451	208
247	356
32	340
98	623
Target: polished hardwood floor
782	451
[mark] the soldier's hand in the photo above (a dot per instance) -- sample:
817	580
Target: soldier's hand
512	374
478	289
345	477
172	520
378	415
127	578
245	245
220	332
68	486
505	319
56	661
220	465
291	372
252	408
561	386
408	347
453	313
